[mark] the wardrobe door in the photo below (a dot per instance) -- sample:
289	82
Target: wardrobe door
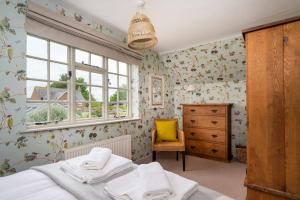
292	105
265	102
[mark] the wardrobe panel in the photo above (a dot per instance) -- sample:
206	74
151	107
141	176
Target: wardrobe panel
258	195
265	102
292	105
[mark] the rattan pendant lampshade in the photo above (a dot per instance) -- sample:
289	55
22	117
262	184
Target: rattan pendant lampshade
141	32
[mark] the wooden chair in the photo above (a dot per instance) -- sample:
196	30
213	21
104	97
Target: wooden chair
178	146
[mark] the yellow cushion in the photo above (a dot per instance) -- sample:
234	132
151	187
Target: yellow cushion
166	130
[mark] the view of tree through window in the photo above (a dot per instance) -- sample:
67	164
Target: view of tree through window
89	83
50	87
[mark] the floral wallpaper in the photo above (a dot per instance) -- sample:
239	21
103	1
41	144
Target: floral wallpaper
218	72
12	67
19	150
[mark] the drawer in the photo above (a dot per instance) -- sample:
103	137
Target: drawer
211	122
204	110
190	121
205	134
206	148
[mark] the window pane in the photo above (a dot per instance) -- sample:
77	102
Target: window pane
82	77
122	68
112	95
36	47
96	94
96	109
58	72
36	68
122	95
81	56
58	52
123	82
58	91
96	60
112	110
96	79
82	93
123	110
36	90
112	80
36	112
58	111
112	66
82	110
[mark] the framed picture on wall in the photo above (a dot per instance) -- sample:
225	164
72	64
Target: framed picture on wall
156	91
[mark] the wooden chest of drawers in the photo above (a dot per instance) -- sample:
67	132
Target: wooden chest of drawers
207	129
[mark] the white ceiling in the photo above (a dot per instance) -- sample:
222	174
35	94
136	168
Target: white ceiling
183	23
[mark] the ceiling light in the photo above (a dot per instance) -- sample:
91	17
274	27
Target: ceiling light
141	32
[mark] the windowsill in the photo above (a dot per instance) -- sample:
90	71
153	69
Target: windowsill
31	129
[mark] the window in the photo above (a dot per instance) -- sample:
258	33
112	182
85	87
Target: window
47	81
66	84
88	85
117	89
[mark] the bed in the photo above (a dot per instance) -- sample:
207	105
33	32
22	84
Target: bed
49	182
53	182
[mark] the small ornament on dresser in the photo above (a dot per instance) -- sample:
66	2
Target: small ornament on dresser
241	153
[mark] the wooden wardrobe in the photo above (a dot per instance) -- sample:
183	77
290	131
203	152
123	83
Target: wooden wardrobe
273	107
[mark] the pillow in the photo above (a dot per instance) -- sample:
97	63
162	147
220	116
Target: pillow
166	130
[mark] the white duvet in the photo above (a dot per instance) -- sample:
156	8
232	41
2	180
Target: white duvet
31	185
34	185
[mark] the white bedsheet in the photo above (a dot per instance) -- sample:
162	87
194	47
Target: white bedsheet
31	185
34	185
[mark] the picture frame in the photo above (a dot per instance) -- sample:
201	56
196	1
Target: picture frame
156	91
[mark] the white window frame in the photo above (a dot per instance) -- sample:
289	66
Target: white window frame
118	87
48	81
72	66
90	69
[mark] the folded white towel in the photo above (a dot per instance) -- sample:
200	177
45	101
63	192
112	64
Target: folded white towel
155	182
131	187
183	187
125	187
96	159
115	165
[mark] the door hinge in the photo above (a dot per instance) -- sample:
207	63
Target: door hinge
285	40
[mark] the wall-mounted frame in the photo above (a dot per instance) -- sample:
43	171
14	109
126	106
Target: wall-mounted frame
156	91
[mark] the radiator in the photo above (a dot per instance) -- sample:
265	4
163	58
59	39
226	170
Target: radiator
119	145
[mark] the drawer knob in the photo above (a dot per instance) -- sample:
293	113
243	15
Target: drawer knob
214	136
214	122
193	147
214	150
192	133
193	121
214	110
192	110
